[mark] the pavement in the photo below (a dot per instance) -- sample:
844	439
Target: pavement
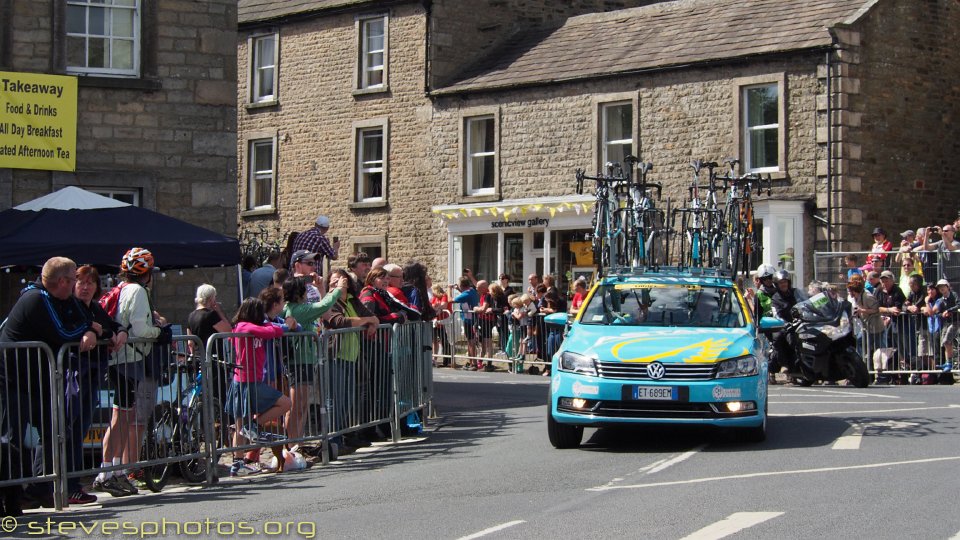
881	462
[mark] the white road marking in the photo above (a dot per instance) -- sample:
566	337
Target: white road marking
851	441
846	402
956	536
732	524
682	457
492	530
814	391
863	412
776	473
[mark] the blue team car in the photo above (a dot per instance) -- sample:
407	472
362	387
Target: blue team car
660	348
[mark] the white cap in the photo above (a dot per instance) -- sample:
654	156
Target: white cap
323	221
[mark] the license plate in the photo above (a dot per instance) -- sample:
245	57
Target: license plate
662	393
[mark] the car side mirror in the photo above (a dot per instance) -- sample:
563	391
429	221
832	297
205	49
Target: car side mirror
559	319
769	325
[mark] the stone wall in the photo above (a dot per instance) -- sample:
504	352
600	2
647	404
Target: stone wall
314	122
547	133
170	133
902	116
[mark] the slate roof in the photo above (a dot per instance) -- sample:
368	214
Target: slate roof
656	36
249	11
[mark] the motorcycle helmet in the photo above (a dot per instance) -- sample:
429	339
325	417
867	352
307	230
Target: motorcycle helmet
137	261
781	275
765	270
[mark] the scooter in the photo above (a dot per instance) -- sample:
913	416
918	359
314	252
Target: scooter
822	343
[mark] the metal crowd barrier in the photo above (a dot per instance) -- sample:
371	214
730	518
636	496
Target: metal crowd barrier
160	408
500	342
29	420
904	347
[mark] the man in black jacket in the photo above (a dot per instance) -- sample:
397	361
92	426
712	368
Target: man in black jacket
49	313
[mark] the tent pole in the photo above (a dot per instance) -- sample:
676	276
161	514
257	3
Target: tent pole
240	284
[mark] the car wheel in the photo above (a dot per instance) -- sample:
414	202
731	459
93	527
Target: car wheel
757	434
563	436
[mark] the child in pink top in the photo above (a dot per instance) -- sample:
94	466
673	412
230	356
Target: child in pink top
250	400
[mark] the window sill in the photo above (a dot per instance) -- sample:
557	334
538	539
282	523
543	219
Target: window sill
478	198
262	105
368	204
126	83
371	91
259	212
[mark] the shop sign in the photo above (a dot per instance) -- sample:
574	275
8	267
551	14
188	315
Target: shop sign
38	121
512	223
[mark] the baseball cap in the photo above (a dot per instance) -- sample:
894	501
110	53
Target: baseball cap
302	255
886	274
879	230
908	232
943	282
323	221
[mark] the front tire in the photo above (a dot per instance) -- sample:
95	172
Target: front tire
854	370
563	436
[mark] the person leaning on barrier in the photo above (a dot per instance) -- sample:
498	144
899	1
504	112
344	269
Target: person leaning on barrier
91	371
912	320
134	385
208	318
928	343
304	358
891	300
946	308
47	312
348	312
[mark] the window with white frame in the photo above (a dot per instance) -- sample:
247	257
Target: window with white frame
129	196
370	164
761	127
373	53
263	68
481	155
103	37
617	131
261	174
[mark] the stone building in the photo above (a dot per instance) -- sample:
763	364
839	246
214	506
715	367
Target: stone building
156	113
450	130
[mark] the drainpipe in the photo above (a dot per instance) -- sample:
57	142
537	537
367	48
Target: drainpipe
834	46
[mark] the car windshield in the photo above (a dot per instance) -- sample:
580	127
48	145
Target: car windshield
674	304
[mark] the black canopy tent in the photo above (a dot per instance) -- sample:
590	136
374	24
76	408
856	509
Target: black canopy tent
92	229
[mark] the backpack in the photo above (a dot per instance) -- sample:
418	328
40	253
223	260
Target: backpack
110	301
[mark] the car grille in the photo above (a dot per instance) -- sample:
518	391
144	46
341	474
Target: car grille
674	372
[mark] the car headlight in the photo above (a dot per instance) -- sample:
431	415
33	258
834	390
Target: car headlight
577	363
836	332
737	367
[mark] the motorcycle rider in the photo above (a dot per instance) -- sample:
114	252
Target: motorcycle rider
765	290
781	304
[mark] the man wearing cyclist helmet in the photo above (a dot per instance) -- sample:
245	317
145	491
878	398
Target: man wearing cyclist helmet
765	290
135	388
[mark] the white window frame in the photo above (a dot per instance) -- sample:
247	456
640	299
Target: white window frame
255	174
605	142
114	192
741	113
472	154
365	65
259	65
111	7
365	168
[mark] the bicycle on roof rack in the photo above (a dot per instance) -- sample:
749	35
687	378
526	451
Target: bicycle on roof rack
741	241
627	226
700	218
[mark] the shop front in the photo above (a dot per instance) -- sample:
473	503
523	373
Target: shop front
551	236
520	237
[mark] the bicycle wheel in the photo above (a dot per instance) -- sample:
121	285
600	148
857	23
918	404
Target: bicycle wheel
598	235
192	441
158	445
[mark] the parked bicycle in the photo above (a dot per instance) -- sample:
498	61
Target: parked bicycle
699	220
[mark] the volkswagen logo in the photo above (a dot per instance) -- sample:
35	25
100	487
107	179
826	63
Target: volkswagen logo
656	370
